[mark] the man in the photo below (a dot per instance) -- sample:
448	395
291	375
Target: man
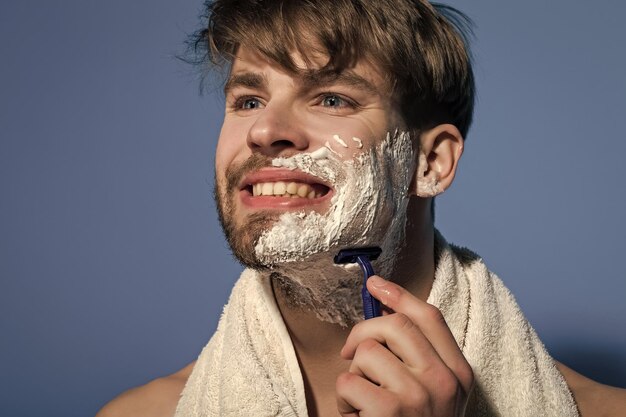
344	119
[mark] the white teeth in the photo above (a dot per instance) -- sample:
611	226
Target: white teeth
281	188
292	188
268	189
303	190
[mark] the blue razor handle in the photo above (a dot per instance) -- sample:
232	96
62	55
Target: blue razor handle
363	256
371	306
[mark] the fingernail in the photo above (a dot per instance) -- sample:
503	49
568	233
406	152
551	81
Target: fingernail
383	290
377	281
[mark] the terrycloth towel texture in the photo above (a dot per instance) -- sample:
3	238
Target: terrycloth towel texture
249	367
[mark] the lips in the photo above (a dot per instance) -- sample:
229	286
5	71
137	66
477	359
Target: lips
281	188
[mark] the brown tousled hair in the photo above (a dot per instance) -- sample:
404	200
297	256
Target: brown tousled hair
421	48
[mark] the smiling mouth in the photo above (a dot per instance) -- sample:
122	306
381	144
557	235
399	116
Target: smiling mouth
272	188
287	189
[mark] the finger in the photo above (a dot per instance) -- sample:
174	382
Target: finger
356	396
400	335
406	367
429	320
376	363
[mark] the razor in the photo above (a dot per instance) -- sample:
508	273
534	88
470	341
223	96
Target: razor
363	256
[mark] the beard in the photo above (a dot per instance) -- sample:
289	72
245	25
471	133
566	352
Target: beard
242	239
296	248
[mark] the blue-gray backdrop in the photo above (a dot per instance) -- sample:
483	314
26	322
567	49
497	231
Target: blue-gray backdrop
113	269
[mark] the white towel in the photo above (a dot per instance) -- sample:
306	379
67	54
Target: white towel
249	367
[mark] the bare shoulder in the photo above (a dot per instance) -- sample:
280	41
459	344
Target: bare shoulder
157	398
594	399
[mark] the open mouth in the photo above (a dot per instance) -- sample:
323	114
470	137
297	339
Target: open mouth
290	189
285	188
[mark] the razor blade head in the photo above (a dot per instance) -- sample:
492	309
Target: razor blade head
348	256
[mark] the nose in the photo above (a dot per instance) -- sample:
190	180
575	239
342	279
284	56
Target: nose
275	131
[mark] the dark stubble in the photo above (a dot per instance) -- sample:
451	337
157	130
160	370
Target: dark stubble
242	238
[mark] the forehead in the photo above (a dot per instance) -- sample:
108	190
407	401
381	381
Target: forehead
311	70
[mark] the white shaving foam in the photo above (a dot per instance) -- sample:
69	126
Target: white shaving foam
340	141
359	142
330	148
426	187
368	208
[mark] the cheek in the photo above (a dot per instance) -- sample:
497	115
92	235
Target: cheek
231	145
349	143
352	137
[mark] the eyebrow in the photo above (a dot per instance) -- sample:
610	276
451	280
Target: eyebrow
316	79
309	81
246	79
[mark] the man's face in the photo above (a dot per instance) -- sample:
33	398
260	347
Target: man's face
305	164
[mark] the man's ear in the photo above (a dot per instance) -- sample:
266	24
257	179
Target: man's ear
440	150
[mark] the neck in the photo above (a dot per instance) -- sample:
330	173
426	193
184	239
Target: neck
414	270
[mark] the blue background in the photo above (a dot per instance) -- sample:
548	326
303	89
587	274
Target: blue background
113	269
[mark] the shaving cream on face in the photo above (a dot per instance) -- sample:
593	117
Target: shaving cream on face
368	208
426	187
340	141
327	145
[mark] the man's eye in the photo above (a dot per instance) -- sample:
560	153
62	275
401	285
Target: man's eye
247	103
250	103
333	100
